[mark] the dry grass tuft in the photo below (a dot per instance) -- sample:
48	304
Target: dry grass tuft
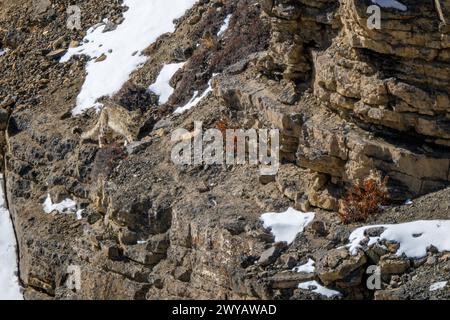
364	199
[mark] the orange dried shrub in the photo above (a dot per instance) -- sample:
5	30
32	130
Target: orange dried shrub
222	126
364	199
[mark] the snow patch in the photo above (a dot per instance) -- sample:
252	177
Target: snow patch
67	206
144	22
79	214
315	287
9	281
225	25
438	285
306	268
414	237
390	4
195	99
162	86
286	225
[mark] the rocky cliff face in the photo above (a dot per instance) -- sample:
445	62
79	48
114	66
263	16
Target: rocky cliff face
392	84
348	100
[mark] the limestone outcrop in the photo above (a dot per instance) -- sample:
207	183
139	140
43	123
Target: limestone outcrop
388	89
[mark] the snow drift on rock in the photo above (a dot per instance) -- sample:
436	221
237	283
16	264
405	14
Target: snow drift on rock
438	286
315	287
306	268
286	225
145	21
225	25
413	237
195	99
162	86
66	206
9	282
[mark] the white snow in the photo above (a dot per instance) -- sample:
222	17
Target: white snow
2	52
438	285
390	4
286	225
195	99
315	287
414	237
306	268
225	25
67	206
79	214
9	281
408	202
144	22
162	87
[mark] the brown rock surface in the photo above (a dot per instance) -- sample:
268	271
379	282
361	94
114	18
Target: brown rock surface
346	99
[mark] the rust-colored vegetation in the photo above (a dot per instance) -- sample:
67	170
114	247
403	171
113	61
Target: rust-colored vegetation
364	199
